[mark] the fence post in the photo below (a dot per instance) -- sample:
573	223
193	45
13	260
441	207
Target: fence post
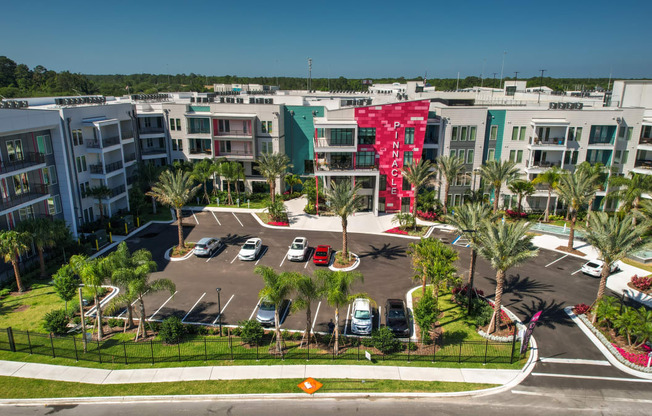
333	351
359	349
257	358
205	351
383	351
408	360
124	347
231	346
459	356
29	342
308	359
74	343
99	348
179	349
511	356
10	336
52	345
151	347
486	347
434	348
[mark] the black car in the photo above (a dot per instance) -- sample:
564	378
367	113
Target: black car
397	318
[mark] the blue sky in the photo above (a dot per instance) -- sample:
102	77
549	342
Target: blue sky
353	39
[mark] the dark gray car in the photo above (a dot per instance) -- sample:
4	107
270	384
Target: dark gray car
396	317
266	310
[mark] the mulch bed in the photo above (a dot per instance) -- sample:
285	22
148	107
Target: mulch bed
619	341
647	292
339	264
571	251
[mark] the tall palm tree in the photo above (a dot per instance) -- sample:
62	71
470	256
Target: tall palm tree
45	233
277	289
600	174
344	200
148	174
308	290
12	245
614	239
216	173
496	173
418	174
231	172
469	220
449	168
576	190
175	189
292	180
522	189
504	245
433	262
629	191
100	192
550	178
93	273
136	279
273	166
337	287
201	172
122	259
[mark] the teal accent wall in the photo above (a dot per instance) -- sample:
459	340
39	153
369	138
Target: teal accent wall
299	135
199	108
495	118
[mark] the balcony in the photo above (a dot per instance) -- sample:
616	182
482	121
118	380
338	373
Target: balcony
128	135
238	154
111	167
198	151
29	159
118	190
96	144
130	157
559	142
334	164
35	191
153	151
235	133
372	166
643	164
151	130
545	165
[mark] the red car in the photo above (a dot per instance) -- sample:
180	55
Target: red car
322	255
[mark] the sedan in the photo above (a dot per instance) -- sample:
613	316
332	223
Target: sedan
594	268
361	317
207	246
298	250
266	312
396	317
250	249
322	255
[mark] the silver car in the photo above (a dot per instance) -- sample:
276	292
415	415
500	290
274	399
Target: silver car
265	314
361	317
207	246
250	249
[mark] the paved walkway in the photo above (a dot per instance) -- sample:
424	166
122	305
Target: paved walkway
159	375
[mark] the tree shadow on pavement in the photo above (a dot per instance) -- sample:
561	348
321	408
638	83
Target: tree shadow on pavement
521	287
235	239
552	313
386	251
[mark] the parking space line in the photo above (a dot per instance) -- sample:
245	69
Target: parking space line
222	311
161	307
287	311
346	322
261	256
282	261
236	256
214	216
237	218
193	306
312	328
306	265
254	311
553	262
576	271
125	311
196	220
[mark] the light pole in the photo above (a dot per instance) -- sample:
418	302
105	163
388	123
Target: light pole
219	308
541	85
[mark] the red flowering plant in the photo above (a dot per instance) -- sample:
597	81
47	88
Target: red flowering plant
581	309
427	216
396	230
642	283
515	214
279	223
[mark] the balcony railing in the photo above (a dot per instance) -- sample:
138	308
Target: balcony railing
29	159
111	167
130	157
240	153
118	190
151	130
96	144
35	191
544	165
324	142
645	164
372	166
239	133
153	150
335	166
645	140
547	142
127	135
96	169
200	151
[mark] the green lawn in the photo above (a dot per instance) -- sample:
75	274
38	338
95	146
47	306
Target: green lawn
640	265
26	388
162	214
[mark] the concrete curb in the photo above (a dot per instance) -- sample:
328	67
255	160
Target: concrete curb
220	209
169	258
347	269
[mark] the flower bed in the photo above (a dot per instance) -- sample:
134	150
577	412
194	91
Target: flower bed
515	214
643	284
427	216
279	223
638	359
397	230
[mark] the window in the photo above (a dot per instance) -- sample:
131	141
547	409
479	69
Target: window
405	205
81	164
453	152
571	134
621	132
430	154
26	213
519	156
409	135
263	126
432	135
341	137
178	124
454	133
84	188
198	125
463	133
366	182
522	136
625	156
172	124
381	204
456	200
407	158
382	182
491	154
512	155
50	175
469	156
602	134
365	159
150	142
177	144
21	183
515	133
367	135
617	155
518	133
578	134
15	150
266	147
461	153
225	147
630	131
269	127
54	205
493	133
472	131
407	186
77	139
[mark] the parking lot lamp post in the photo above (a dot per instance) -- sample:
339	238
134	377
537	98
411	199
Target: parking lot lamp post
219	308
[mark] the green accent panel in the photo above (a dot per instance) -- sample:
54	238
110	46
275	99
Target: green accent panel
299	135
200	108
495	118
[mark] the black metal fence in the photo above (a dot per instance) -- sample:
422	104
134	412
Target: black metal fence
232	348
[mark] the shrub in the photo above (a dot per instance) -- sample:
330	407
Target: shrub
642	283
426	312
482	312
427	216
235	331
310	209
172	330
555	217
203	330
411	346
460	294
384	340
367	342
251	332
56	321
404	220
515	214
114	322
581	309
426	338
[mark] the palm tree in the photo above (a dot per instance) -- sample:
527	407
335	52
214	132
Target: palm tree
122	260
201	172
614	239
276	290
504	245
469	220
418	174
550	178
93	273
496	173
175	189
450	168
337	288
308	290
576	190
432	262
12	245
521	188
599	172
100	192
135	277
148	174
344	201
292	180
232	172
272	166
216	173
630	190
45	233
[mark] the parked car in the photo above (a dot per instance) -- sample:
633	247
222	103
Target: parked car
361	317
298	250
265	314
594	268
397	318
322	255
250	249
207	246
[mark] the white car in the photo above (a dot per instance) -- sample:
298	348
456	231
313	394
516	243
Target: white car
594	268
298	250
250	249
207	246
361	317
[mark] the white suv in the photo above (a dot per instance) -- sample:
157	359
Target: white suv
361	317
298	250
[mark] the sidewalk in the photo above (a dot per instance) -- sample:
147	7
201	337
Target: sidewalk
160	375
